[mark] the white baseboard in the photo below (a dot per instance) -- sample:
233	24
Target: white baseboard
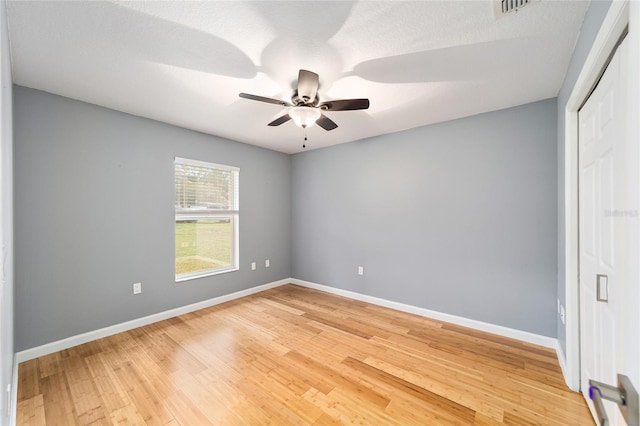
548	342
79	339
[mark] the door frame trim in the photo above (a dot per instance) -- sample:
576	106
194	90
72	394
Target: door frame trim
614	24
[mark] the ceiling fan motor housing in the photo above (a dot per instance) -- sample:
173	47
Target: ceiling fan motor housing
297	100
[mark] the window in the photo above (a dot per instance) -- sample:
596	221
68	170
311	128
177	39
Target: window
206	209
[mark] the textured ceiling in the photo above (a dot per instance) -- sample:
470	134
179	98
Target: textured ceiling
185	62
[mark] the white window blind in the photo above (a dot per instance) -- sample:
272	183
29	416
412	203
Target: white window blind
205	187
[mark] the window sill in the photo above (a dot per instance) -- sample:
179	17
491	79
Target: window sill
205	274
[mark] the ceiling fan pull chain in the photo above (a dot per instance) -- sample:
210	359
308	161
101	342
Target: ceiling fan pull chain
304	144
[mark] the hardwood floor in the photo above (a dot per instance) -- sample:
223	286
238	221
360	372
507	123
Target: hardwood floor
292	355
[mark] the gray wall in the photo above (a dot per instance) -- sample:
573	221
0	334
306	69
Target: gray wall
592	23
94	214
6	225
457	217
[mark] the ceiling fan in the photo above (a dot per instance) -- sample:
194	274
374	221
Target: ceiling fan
306	108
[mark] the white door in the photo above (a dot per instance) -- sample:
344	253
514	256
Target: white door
604	220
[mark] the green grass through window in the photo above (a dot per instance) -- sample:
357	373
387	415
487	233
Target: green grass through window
203	244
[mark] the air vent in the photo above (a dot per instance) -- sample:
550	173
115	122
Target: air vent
513	5
505	7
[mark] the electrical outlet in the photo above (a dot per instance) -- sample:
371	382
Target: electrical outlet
253	266
360	270
137	288
267	263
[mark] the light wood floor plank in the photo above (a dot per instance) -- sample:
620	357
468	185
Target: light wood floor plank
31	411
293	355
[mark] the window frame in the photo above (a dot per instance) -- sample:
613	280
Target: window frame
232	214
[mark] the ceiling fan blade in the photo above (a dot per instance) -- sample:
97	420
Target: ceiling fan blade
326	123
280	120
307	85
263	99
345	105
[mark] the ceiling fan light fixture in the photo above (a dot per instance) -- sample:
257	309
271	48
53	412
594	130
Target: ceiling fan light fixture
304	116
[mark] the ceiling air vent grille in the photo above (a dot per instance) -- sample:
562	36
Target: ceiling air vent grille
505	7
509	6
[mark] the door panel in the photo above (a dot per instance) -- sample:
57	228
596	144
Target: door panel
606	205
588	231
